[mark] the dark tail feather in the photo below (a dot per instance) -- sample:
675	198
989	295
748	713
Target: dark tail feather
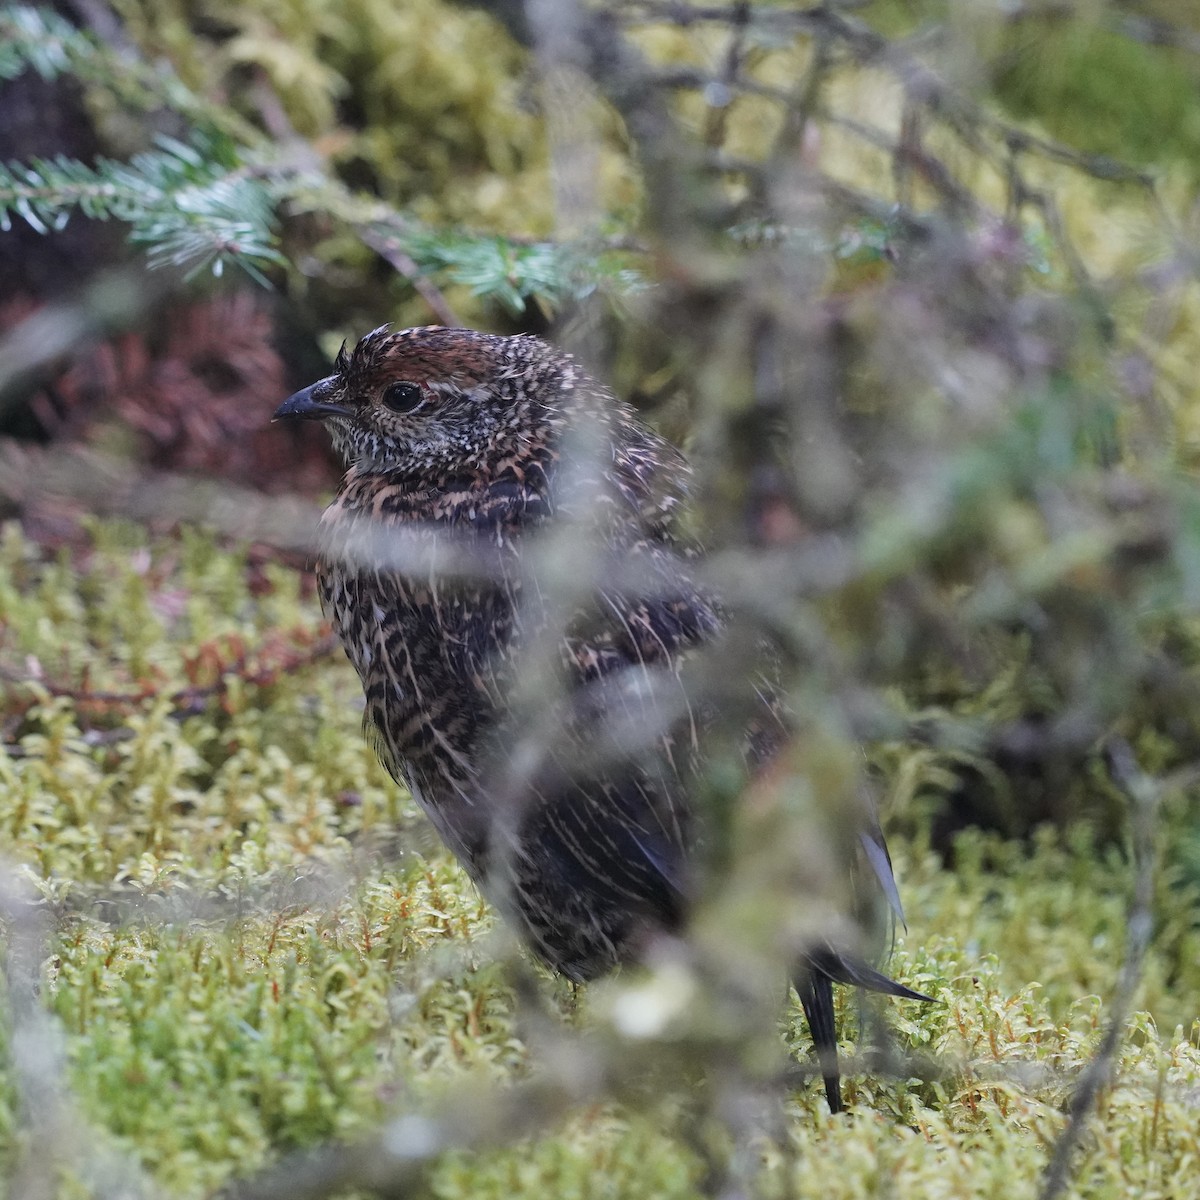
876	851
815	989
845	968
822	969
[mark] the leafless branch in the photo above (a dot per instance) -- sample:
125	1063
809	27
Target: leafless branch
1143	794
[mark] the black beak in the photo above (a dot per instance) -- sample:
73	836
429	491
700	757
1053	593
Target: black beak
307	405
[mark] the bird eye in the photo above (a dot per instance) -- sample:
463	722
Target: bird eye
402	397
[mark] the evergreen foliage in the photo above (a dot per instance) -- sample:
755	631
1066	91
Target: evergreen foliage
192	206
212	199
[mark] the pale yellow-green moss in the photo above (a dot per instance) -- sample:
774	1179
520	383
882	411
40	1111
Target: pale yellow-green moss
211	1043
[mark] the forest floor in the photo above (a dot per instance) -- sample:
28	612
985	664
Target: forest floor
250	942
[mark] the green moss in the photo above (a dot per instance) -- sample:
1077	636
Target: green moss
205	1040
1102	92
421	101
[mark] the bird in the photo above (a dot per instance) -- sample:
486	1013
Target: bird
464	439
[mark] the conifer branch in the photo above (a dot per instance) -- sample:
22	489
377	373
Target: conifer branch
194	205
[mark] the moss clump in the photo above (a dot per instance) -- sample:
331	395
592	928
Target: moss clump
237	969
1102	92
421	101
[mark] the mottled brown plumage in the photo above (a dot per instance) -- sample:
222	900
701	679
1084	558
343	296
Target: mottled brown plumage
461	436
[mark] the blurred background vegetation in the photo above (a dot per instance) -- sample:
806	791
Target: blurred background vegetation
914	283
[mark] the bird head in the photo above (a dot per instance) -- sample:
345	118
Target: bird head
436	399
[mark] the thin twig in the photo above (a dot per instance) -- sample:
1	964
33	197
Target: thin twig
390	249
1143	793
55	1135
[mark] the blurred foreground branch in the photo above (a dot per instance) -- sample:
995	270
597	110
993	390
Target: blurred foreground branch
940	469
1144	795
